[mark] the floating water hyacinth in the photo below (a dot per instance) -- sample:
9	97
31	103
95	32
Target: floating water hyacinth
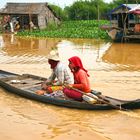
72	29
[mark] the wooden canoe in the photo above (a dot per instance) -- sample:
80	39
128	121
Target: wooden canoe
26	86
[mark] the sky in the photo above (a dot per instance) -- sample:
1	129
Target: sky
61	3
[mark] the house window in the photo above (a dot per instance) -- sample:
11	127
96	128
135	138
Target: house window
114	17
131	17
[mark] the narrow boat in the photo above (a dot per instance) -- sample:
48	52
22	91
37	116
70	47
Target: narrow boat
26	86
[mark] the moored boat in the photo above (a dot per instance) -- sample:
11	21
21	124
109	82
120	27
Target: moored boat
26	85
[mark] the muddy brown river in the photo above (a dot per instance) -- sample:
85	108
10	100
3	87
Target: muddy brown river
114	70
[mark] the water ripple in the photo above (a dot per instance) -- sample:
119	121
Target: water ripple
22	59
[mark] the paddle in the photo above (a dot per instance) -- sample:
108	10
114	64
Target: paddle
99	98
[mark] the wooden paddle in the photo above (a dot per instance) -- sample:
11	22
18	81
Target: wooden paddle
99	98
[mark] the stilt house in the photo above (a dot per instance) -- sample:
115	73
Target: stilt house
30	14
120	17
125	25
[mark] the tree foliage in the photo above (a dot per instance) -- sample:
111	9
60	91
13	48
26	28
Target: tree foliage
88	9
58	11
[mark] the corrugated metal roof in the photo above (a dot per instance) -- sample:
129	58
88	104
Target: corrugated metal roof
128	6
131	5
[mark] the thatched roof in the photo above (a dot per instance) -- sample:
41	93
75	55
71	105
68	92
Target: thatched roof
24	8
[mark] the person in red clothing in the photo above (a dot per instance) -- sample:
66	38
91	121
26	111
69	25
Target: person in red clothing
81	80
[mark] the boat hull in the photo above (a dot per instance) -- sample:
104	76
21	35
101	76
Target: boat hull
30	94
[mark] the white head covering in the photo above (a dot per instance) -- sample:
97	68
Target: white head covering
54	56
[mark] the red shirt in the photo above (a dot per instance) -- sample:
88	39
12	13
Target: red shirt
81	81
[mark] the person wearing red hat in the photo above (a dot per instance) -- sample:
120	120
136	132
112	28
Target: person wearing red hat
81	81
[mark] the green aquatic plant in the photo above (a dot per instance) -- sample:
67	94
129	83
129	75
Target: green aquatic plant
71	29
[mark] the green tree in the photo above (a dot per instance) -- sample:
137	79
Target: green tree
119	2
58	11
86	10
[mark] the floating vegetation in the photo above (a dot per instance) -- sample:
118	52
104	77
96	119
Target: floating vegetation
71	29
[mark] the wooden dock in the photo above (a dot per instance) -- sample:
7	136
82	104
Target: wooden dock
134	37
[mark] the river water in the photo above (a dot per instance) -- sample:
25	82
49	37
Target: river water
114	70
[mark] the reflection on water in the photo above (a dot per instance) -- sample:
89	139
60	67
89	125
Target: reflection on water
42	121
59	121
95	54
123	56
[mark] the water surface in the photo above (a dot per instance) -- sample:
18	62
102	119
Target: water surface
114	70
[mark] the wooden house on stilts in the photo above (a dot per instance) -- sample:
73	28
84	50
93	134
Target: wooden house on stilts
28	15
124	23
